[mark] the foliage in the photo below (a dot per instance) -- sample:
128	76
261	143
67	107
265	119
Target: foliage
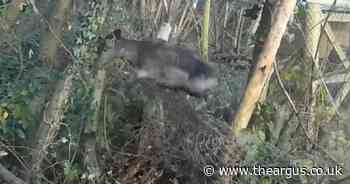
301	9
21	79
74	118
71	172
261	153
3	4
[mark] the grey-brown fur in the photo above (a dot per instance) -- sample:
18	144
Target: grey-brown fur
171	66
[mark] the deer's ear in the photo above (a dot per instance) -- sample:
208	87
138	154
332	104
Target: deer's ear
117	34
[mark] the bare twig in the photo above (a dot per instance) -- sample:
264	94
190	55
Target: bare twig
184	13
291	103
166	6
226	16
20	55
159	12
297	114
320	75
18	157
238	35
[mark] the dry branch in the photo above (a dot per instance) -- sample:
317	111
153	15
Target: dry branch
238	35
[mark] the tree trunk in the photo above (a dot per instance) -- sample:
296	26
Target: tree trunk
283	10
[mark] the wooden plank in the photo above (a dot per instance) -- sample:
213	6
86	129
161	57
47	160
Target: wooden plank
339	51
338	17
340	3
344	91
337	78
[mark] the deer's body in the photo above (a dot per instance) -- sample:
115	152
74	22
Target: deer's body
171	66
